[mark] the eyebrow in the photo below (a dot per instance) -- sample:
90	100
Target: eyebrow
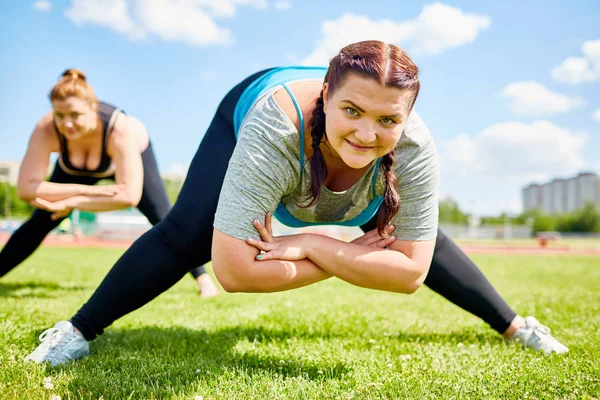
362	111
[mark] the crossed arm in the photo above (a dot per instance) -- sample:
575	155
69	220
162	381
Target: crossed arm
288	262
61	198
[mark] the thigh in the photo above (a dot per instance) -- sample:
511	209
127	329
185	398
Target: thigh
154	203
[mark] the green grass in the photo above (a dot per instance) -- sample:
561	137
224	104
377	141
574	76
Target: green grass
330	340
571	243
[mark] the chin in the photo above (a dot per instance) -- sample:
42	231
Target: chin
357	162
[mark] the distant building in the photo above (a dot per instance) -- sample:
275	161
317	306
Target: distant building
563	195
9	171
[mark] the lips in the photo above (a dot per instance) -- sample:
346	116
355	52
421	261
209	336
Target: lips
358	147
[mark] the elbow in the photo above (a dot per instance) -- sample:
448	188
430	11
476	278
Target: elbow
235	279
227	278
415	282
131	200
412	287
24	194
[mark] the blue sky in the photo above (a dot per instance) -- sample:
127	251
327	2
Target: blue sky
510	90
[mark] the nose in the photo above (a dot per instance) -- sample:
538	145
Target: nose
365	133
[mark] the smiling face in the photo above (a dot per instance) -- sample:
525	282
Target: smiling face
74	117
364	120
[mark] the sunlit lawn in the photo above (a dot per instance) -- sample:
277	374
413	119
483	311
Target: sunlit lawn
331	340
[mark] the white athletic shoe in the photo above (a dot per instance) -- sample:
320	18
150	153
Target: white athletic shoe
537	337
59	345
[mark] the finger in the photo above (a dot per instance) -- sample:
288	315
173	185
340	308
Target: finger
271	255
264	234
42	202
268	225
55	216
259	244
371	238
386	242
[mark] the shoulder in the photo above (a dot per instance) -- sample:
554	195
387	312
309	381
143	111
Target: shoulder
128	134
305	93
266	122
126	127
45	131
416	132
416	140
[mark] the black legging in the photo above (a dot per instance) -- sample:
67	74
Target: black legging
162	256
154	204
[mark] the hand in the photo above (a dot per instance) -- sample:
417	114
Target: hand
104	190
59	209
290	248
373	239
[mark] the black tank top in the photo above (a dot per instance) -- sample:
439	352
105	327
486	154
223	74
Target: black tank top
108	115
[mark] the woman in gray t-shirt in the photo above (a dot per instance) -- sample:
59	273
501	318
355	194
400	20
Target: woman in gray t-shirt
366	159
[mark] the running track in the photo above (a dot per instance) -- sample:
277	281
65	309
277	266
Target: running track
470	248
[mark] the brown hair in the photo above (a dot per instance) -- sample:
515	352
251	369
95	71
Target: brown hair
73	83
391	67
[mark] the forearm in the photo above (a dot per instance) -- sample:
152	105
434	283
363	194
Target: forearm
272	276
100	203
51	191
366	266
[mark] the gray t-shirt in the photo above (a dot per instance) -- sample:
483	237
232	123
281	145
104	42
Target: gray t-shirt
265	170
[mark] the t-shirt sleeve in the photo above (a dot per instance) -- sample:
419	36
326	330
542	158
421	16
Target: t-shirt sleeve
260	173
418	180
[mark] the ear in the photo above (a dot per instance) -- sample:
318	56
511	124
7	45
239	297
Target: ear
325	97
95	106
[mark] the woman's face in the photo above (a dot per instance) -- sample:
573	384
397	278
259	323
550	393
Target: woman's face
74	117
364	120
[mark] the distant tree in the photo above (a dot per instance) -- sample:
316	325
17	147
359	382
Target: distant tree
173	188
10	204
586	219
451	213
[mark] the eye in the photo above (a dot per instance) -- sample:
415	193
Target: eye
388	121
58	115
75	115
352	111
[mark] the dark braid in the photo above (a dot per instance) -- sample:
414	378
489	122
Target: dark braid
391	200
318	168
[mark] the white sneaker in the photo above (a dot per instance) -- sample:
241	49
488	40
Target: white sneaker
537	337
60	344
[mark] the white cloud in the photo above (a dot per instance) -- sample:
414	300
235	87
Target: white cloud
112	14
531	98
439	27
596	115
575	70
519	151
283	5
181	21
189	21
177	170
42	5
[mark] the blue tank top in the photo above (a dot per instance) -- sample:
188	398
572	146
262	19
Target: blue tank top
280	76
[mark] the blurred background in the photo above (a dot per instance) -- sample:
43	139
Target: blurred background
510	91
